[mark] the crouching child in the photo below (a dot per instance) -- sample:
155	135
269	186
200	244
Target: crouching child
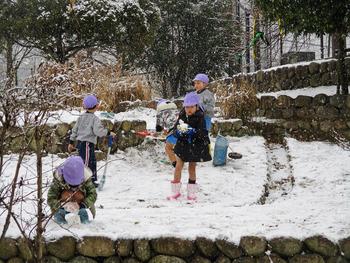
72	194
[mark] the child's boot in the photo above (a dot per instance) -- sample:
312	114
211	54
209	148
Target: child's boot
191	191
175	191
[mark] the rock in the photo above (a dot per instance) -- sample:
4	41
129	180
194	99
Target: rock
290	125
199	259
166	259
345	113
244	260
332	65
142	250
305	113
315	80
347	101
340	124
51	259
24	249
286	246
337	259
222	259
138	125
113	259
63	248
260	76
314	67
306	259
173	247
326	79
124	247
270	258
131	260
327	112
320	100
207	247
344	246
81	259
288	113
324	67
62	129
8	248
228	249
321	245
96	247
291	72
326	126
302	71
305	125
284	101
338	101
225	126
303	101
237	124
266	102
126	126
253	246
15	260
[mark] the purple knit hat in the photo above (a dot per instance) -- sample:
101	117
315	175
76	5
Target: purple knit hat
73	170
90	101
202	77
191	99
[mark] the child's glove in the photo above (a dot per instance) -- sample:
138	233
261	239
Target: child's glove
113	134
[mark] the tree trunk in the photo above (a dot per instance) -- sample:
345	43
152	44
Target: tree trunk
10	76
257	55
341	70
40	214
247	37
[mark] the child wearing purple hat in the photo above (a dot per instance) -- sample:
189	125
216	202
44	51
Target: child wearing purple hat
207	99
86	130
72	193
192	145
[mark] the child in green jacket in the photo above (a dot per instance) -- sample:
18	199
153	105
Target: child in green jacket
72	194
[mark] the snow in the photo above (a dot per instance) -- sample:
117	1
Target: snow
328	90
133	203
64	116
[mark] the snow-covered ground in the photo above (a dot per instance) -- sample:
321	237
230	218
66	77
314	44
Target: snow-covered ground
328	90
133	203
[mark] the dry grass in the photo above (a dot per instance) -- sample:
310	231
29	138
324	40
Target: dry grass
240	103
107	81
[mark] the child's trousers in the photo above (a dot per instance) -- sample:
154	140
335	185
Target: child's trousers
87	153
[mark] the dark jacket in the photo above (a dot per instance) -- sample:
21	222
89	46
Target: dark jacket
192	147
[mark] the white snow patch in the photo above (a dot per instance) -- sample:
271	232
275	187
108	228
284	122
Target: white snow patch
312	92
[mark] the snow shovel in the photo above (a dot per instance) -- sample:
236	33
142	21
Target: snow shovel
151	135
103	179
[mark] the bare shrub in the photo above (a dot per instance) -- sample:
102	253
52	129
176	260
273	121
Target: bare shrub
240	103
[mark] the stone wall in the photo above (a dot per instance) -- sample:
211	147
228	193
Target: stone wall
58	137
287	77
319	117
251	249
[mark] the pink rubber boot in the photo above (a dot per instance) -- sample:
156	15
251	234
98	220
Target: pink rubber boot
175	191
191	192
